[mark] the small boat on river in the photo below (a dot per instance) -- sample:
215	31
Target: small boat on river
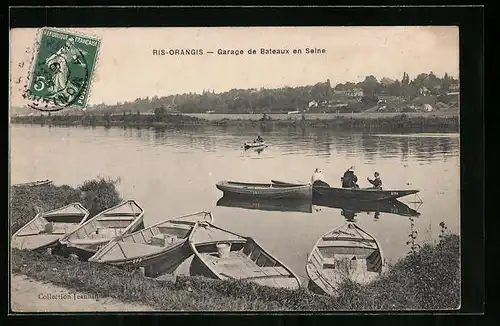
46	228
255	145
345	253
159	248
95	233
221	254
361	194
265	190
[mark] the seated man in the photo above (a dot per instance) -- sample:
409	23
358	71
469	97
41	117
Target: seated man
349	180
258	139
377	183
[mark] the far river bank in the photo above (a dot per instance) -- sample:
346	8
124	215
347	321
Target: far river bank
439	121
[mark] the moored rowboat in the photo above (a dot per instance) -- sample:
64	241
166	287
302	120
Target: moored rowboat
91	236
361	194
159	248
224	255
45	229
345	253
265	190
34	184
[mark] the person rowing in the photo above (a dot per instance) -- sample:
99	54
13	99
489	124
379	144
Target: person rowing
349	180
377	182
258	139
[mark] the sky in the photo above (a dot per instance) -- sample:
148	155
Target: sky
127	69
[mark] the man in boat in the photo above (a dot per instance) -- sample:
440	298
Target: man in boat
377	183
258	139
349	180
318	179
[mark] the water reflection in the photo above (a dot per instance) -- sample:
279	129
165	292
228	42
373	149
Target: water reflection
351	208
281	205
258	150
319	142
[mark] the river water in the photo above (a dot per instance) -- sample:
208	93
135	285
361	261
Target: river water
173	172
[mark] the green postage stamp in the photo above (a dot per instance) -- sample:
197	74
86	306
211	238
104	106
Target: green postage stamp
62	72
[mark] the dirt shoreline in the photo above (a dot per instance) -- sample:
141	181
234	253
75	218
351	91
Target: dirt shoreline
29	295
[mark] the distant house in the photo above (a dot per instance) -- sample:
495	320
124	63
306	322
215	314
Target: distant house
354	92
428	108
454	87
312	104
423	91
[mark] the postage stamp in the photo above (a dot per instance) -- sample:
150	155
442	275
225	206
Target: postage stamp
62	70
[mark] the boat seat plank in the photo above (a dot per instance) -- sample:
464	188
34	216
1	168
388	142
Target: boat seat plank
238	265
137	249
341	244
343	238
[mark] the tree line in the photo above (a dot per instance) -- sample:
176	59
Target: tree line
286	98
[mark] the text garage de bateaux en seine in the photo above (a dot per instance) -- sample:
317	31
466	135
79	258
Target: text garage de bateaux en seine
263	51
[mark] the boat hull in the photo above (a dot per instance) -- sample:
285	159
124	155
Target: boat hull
265	190
34	184
244	260
254	145
159	249
86	250
33	236
361	194
345	253
164	262
37	242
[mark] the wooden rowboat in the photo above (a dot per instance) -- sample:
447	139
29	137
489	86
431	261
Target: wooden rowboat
345	253
92	235
221	254
361	194
159	249
265	190
254	145
34	184
45	229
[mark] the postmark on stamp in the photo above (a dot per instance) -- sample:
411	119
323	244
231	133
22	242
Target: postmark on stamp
62	70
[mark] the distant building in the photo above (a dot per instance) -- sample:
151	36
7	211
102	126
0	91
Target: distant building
428	108
423	91
454	87
312	104
354	92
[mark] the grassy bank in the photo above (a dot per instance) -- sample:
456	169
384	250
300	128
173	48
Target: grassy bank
421	122
95	195
427	278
